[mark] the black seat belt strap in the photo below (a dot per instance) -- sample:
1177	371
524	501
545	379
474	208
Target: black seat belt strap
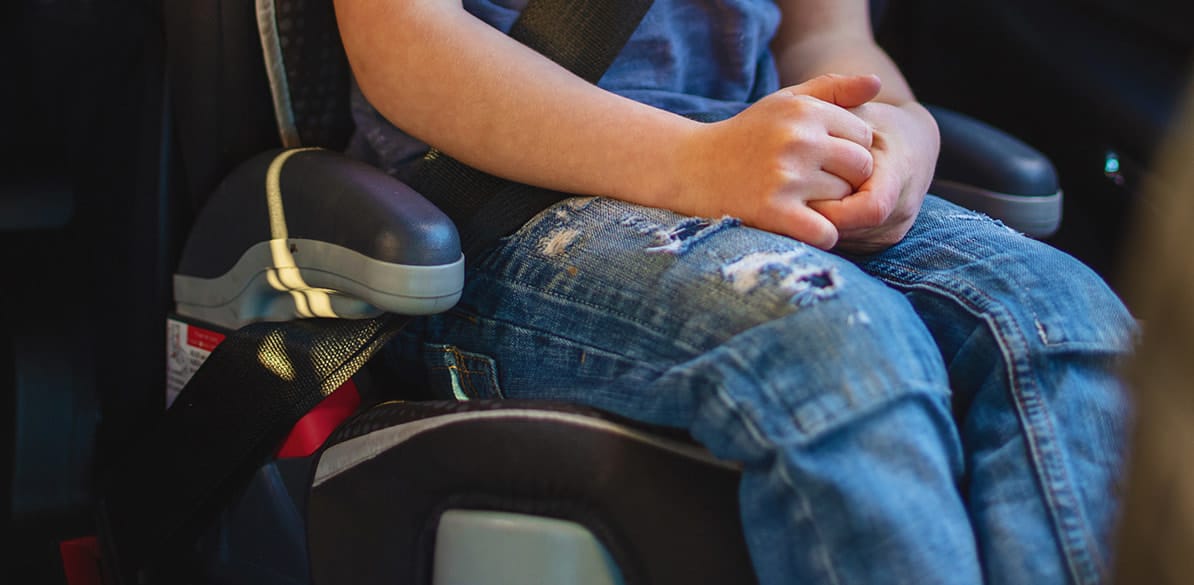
264	377
225	422
583	36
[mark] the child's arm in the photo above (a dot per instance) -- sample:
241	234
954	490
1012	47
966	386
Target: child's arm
819	36
456	83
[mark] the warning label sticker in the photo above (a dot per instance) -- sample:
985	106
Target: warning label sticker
187	347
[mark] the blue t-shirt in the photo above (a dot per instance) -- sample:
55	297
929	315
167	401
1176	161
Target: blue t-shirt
707	57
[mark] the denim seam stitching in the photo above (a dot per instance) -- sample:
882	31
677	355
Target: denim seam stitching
448	369
464	363
487	367
1051	473
826	560
754	432
460	365
457	367
466	372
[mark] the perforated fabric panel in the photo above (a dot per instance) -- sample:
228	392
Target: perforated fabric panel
316	78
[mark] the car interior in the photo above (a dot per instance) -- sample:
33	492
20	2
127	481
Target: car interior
140	140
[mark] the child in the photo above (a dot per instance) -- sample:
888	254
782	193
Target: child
931	402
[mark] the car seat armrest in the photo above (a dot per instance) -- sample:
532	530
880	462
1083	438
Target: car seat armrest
312	233
988	170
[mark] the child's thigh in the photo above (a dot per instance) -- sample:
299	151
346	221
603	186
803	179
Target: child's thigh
630	308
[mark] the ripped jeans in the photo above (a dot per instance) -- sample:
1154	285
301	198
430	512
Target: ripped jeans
945	411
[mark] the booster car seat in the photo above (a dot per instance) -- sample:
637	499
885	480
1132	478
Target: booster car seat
477	492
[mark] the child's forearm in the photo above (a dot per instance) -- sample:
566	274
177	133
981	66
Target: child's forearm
460	85
817	37
456	83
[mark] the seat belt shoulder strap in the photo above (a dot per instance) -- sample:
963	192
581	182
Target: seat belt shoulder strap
583	36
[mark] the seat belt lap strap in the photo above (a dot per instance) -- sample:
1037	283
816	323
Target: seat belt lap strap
264	377
226	421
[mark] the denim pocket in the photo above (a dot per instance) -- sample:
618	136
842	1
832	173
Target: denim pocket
460	374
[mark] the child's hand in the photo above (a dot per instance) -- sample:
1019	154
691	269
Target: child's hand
764	165
905	148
